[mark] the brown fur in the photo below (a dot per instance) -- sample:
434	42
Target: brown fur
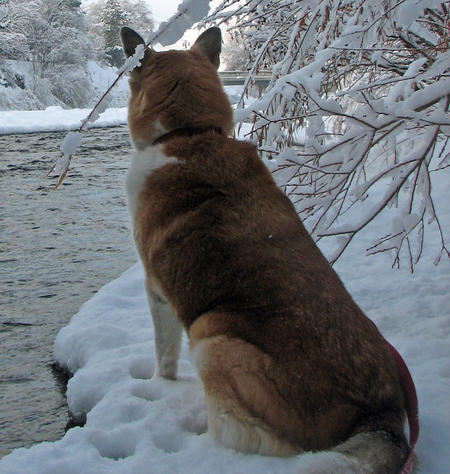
282	349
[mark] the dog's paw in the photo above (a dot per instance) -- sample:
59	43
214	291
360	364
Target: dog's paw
167	369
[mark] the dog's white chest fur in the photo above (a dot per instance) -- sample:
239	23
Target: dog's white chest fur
143	164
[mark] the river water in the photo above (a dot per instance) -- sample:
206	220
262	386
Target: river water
57	248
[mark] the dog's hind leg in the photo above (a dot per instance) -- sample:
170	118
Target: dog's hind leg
245	411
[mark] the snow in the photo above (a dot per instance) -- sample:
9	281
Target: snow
71	143
68	147
136	424
56	118
102	77
189	12
133	61
36	94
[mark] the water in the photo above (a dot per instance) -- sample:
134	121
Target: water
57	248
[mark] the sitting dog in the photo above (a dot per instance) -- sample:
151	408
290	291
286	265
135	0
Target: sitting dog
288	361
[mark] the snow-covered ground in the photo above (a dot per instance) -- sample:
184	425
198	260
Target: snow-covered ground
136	424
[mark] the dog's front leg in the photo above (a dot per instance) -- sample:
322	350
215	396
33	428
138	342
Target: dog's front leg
167	329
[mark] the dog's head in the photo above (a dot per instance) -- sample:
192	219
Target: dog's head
176	89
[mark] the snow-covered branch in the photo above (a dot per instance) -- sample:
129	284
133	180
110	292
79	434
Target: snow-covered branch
356	115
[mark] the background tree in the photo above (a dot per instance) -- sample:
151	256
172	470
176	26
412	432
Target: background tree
106	17
113	17
57	36
139	16
355	121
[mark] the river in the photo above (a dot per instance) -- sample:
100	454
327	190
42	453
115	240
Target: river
57	248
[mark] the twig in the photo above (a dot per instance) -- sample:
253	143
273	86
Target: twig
94	113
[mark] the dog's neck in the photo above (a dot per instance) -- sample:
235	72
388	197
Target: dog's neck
187	132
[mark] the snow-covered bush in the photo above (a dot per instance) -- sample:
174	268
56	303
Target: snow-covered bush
366	86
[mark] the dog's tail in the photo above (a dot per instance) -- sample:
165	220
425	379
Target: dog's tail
373	452
365	453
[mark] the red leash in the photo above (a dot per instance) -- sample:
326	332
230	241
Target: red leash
412	406
411	402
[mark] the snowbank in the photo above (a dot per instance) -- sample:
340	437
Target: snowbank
56	118
136	424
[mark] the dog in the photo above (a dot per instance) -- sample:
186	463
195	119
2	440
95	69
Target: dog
288	361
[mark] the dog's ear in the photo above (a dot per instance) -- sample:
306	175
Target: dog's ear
130	39
210	44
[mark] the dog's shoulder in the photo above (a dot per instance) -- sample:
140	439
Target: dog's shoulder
220	160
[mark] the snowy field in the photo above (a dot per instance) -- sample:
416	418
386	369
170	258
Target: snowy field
136	424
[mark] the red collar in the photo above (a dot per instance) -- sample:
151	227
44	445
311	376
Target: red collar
187	132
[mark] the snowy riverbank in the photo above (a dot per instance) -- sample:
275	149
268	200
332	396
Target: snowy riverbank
138	425
55	119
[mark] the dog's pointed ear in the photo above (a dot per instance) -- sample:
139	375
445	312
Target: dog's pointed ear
130	39
210	44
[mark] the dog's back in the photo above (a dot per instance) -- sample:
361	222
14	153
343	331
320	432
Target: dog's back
288	361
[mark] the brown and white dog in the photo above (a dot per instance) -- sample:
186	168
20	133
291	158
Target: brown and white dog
288	361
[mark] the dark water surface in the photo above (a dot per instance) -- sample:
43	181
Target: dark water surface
57	248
